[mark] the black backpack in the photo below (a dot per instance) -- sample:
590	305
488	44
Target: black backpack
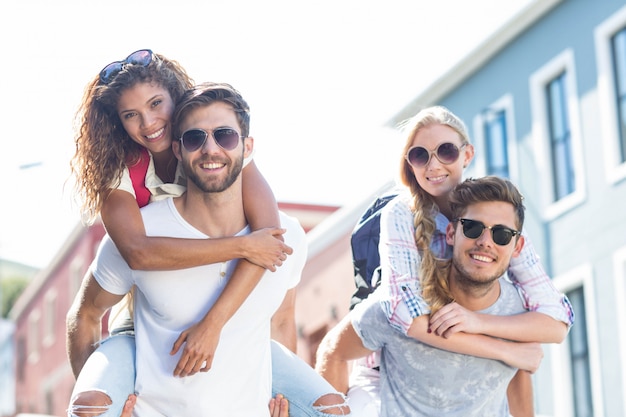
365	256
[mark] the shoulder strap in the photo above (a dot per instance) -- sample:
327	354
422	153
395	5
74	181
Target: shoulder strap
138	177
365	257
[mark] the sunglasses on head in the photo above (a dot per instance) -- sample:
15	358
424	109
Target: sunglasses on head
227	138
447	153
141	57
501	235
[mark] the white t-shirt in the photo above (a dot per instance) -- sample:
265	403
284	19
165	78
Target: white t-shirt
168	302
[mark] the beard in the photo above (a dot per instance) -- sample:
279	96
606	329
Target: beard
214	185
475	280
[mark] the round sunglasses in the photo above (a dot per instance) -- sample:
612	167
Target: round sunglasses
226	137
142	57
447	153
501	235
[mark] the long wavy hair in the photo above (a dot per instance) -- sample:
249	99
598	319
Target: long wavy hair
103	147
434	280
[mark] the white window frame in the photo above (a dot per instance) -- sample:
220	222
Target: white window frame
581	276
619	266
504	103
615	171
564	62
34	336
75	276
49	318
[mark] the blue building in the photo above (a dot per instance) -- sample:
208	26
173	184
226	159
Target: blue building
7	368
545	102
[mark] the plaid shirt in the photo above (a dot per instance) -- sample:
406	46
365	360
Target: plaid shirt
400	292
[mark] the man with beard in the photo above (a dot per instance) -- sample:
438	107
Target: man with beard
212	122
420	380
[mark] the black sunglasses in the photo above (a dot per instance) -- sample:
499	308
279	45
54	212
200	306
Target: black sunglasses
447	153
141	57
226	137
501	235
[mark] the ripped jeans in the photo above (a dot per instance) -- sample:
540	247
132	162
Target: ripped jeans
111	370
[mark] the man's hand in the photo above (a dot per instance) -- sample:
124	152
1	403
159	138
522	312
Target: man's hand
265	248
200	345
453	318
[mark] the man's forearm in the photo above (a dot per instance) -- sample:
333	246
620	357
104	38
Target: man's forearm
525	356
520	395
243	281
84	321
83	335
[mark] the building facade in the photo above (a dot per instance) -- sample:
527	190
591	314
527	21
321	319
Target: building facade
43	380
545	101
7	368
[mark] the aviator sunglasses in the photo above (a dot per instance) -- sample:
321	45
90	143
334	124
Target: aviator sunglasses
227	138
447	153
141	57
501	235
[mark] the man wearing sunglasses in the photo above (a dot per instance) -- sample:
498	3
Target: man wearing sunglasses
212	122
418	379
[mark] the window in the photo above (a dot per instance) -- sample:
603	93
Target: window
576	362
33	336
610	42
557	136
49	317
619	266
579	357
76	276
618	44
20	361
560	138
494	137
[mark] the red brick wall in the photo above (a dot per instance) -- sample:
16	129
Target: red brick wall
44	380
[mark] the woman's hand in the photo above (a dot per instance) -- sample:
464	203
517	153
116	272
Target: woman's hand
265	248
127	411
279	406
524	356
200	345
453	318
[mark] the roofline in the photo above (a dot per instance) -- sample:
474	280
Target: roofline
476	59
32	289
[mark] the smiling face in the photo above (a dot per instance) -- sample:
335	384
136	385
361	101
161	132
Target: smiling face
436	178
145	110
211	168
480	262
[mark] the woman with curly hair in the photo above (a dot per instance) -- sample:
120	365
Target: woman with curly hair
124	160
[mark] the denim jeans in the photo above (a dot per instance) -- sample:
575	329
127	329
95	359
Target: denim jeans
298	382
111	369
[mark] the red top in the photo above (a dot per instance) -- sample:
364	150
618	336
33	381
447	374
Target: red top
138	178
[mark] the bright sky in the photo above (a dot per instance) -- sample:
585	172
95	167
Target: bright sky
322	77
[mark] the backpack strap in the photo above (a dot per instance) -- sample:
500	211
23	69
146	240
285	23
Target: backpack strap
138	178
365	256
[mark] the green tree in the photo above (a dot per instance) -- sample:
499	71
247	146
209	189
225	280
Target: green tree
10	289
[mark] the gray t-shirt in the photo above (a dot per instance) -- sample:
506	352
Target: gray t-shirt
420	380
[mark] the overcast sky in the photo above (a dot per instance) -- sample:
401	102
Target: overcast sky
322	78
